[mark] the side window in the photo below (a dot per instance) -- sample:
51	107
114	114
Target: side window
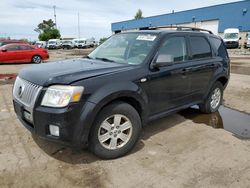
219	47
22	47
12	48
200	48
176	48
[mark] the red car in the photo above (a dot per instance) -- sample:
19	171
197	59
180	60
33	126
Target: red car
22	53
11	41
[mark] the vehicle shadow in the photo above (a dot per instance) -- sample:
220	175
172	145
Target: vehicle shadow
14	63
72	155
83	156
64	153
160	125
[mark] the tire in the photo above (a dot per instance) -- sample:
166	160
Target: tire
36	59
213	100
106	142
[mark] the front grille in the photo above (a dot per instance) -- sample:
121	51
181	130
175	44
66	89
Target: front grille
26	92
231	42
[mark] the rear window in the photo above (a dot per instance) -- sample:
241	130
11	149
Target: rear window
200	48
219	47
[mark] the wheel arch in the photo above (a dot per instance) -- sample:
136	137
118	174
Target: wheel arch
36	55
223	80
102	98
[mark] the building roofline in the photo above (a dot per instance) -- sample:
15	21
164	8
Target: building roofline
183	11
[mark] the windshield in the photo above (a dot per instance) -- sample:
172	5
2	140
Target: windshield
231	36
128	48
52	42
66	42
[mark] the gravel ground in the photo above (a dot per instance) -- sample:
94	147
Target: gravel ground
172	152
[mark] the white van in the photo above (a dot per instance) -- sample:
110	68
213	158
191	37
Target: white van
54	44
248	40
232	38
81	43
68	44
75	42
90	43
40	44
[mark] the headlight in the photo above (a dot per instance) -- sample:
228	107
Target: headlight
61	96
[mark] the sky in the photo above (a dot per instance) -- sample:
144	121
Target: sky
18	19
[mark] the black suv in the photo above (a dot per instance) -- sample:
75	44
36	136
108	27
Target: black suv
103	100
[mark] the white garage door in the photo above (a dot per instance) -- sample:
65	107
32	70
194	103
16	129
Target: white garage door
212	25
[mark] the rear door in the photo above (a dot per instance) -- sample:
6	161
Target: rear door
27	53
204	64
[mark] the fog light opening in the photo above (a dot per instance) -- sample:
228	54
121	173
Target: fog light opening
54	130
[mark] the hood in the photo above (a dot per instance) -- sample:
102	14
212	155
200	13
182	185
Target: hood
231	40
68	71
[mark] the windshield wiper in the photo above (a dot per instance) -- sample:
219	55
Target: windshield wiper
88	57
104	59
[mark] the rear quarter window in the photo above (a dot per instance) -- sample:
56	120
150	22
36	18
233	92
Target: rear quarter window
200	47
219	47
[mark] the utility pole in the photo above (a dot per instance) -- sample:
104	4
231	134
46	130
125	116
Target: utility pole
54	7
79	35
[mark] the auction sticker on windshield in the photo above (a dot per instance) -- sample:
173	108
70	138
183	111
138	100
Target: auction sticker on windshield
146	37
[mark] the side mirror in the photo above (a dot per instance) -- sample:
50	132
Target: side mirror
4	50
164	60
240	38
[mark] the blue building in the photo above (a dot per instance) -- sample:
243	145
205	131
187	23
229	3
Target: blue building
215	18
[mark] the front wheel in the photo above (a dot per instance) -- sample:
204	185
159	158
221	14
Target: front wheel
213	100
36	59
115	131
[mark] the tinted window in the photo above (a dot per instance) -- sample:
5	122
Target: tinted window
175	47
219	47
12	48
200	48
26	47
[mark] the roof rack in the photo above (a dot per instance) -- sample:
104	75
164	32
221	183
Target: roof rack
182	28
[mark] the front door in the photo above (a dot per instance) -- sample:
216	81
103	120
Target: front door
169	86
11	55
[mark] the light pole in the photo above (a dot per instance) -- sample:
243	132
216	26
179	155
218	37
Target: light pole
54	7
79	26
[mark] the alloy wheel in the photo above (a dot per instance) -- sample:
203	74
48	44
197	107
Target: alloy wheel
115	132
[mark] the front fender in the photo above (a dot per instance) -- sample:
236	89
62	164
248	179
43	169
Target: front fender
113	91
102	97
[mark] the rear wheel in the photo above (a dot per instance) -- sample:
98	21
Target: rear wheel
36	59
213	100
115	131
